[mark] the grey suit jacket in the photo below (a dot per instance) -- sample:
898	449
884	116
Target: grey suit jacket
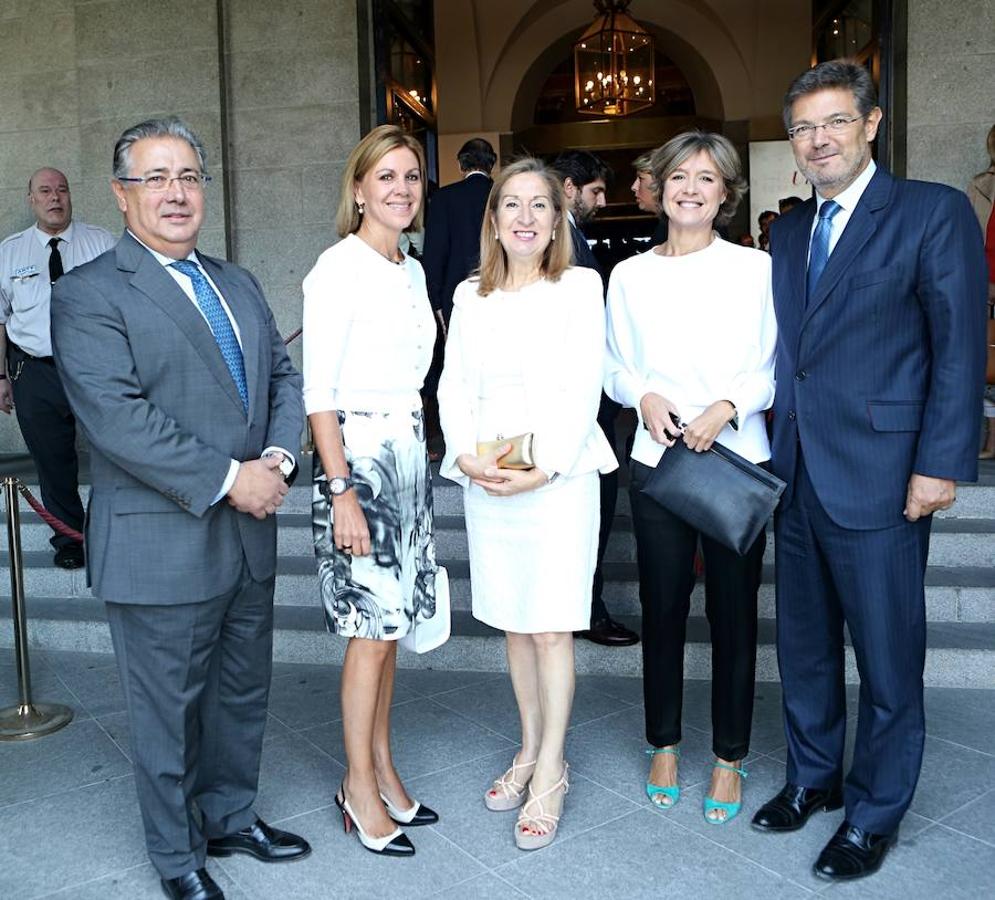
147	382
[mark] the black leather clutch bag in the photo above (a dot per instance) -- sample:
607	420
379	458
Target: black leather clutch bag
718	492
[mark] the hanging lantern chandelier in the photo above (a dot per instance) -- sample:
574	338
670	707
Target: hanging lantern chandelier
613	63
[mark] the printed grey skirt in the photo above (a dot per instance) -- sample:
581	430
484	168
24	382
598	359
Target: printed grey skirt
383	595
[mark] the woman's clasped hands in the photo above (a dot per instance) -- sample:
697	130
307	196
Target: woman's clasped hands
485	472
661	419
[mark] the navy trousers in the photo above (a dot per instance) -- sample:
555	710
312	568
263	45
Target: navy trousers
873	582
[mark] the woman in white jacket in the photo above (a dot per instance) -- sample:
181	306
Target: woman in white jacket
525	354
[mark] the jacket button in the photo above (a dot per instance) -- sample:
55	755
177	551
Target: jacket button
791	415
801	375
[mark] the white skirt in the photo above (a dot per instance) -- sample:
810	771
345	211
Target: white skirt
532	555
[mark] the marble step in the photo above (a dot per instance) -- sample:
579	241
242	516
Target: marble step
958	655
953	594
954	542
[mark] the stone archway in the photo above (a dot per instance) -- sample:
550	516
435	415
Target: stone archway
690	33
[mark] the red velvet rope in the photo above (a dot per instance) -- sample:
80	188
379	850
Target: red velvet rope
56	524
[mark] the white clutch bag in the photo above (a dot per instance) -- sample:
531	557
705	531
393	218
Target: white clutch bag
427	634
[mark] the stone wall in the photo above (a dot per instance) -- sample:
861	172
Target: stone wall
951	100
71	83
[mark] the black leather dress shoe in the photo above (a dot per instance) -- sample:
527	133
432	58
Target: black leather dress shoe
790	809
192	886
610	633
69	556
263	842
852	853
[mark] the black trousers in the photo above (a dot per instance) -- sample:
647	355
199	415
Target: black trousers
607	414
49	429
665	548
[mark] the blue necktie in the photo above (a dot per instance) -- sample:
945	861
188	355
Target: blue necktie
819	253
217	318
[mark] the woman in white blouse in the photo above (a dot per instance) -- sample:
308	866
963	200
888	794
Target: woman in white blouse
691	335
525	355
368	336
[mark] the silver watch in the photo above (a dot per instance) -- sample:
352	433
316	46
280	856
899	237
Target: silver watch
337	485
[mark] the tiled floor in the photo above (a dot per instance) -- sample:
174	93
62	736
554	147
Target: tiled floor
69	822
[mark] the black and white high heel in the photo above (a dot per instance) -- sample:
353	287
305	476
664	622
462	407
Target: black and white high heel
419	814
394	844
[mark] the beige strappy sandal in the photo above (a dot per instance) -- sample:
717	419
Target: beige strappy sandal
508	791
540	820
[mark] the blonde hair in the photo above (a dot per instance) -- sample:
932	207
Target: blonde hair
672	155
558	254
365	155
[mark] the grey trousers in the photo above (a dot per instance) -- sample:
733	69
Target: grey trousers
196	682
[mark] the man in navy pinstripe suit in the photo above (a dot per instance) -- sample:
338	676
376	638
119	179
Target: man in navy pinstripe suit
879	288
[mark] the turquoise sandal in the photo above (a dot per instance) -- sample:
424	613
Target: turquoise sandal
663	797
731	809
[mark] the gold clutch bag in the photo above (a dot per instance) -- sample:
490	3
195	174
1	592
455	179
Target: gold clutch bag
520	456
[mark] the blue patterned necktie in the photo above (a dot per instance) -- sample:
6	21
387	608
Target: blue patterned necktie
819	253
221	328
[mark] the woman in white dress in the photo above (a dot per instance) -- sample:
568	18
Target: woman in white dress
368	337
525	354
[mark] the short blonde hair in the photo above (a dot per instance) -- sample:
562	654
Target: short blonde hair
672	155
365	155
557	256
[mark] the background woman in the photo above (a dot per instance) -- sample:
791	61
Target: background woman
368	336
524	354
691	337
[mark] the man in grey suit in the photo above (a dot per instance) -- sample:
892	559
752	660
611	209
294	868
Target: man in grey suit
174	368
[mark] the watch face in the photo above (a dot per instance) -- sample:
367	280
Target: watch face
337	485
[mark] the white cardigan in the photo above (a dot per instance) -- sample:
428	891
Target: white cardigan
563	343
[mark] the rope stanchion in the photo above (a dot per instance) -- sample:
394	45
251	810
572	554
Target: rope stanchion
27	719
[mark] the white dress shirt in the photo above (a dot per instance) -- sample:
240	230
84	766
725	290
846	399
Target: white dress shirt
369	331
25	289
185	283
695	329
847	201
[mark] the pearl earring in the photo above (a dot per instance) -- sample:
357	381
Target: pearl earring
361	207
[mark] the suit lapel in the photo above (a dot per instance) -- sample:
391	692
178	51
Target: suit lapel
152	280
857	233
794	250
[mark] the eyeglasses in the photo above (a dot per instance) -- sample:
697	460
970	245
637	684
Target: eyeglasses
834	126
157	184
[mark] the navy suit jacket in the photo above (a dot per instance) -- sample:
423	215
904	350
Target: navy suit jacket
881	375
584	255
452	237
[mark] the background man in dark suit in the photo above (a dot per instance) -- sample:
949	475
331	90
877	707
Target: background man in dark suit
452	251
585	180
452	227
879	288
176	372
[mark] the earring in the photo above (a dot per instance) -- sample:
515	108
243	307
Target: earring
553	237
496	236
361	207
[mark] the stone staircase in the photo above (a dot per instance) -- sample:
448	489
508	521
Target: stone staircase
960	595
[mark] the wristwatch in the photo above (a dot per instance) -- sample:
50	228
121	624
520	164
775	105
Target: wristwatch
337	485
286	467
